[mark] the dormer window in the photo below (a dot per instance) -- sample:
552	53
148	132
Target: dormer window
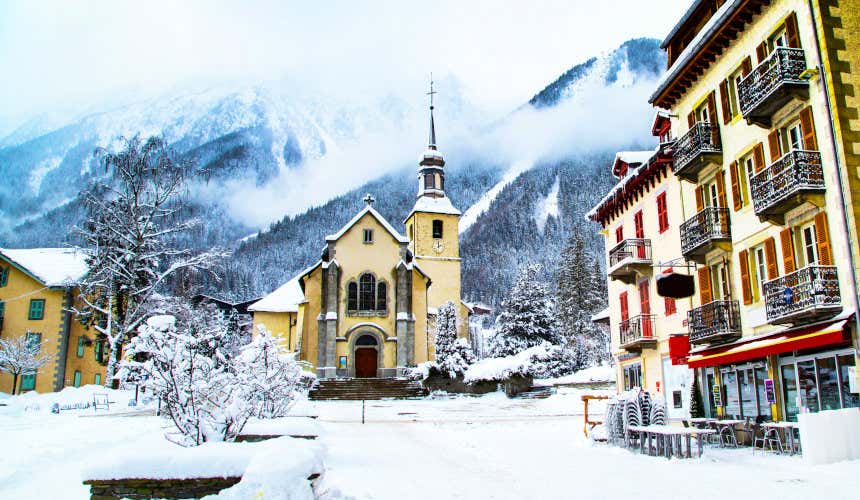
437	229
368	236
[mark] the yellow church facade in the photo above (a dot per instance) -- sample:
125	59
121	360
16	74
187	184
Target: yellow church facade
366	308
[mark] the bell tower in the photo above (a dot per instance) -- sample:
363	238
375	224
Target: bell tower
433	226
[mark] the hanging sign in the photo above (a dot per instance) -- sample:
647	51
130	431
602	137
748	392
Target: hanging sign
769	391
718	395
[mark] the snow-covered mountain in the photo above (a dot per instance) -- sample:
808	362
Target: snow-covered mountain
523	181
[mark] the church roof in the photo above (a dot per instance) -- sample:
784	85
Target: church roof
379	218
440	205
284	299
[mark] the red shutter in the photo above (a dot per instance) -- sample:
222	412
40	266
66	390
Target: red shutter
770	258
622	299
761	52
807	125
758	157
746	289
773	145
662	212
721	189
691	119
825	256
724	101
637	222
737	197
791	31
700	199
746	66
645	308
619	234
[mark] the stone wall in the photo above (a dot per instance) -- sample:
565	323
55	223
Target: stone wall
116	489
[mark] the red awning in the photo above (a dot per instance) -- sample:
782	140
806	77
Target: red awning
796	340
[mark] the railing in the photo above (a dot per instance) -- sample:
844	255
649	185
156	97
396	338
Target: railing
636	328
795	171
703	137
717	319
784	65
636	249
805	290
712	223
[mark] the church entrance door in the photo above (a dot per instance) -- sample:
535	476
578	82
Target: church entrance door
365	362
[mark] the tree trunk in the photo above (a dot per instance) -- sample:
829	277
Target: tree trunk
14	382
113	361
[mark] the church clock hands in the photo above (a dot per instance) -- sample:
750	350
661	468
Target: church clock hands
438	246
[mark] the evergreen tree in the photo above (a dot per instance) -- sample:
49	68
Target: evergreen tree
697	408
453	355
528	316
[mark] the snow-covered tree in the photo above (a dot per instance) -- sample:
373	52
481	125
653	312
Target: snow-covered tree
22	355
554	361
453	355
184	359
528	316
269	377
132	216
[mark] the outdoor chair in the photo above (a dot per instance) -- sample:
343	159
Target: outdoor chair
770	438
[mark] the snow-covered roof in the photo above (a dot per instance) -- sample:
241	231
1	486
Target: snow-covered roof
368	209
622	183
427	204
285	299
600	316
53	267
632	157
430	153
698	42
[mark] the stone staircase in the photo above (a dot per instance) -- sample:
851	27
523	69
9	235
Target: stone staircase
366	388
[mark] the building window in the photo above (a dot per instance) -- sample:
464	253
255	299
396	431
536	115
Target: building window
733	83
97	379
352	296
381	296
810	244
760	266
428	181
632	376
367	296
720	279
99	351
77	380
748	163
662	212
34	341
2	314
367	292
28	382
80	352
437	229
4	276
368	236
37	309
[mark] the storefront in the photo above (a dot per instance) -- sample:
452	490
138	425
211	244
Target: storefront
818	381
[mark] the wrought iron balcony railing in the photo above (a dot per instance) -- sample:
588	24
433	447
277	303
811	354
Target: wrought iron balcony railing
637	331
701	231
631	249
774	189
806	293
716	321
695	148
771	84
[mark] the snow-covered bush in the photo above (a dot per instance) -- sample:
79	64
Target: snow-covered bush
554	361
528	316
453	355
505	367
269	377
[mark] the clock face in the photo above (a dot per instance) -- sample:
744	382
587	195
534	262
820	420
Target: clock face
438	246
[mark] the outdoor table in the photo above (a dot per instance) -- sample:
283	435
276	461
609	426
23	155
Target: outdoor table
788	429
671	439
727	426
700	422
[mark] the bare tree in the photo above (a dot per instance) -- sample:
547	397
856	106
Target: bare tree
132	216
22	356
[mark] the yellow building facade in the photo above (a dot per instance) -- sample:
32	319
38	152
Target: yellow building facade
366	308
37	287
772	323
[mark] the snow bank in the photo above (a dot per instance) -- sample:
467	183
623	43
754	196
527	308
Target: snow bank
592	374
502	368
285	426
70	400
830	436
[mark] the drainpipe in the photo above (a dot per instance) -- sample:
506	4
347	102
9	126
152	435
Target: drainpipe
845	206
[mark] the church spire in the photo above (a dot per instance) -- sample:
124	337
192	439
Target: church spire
432	142
431	173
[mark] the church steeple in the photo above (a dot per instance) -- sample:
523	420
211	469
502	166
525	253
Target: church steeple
432	142
431	173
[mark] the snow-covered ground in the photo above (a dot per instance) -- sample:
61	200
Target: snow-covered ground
439	447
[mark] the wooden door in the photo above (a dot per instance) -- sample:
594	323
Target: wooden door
365	362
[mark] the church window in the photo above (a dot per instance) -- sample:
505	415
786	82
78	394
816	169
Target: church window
368	235
381	296
437	228
352	296
367	292
428	181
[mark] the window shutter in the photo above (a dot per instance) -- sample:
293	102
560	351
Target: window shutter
758	157
721	189
724	101
746	66
700	198
712	106
705	296
691	119
737	199
787	250
770	258
773	145
622	299
791	31
761	52
746	290
821	232
807	125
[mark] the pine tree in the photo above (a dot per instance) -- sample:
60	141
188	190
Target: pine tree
453	355
697	408
528	316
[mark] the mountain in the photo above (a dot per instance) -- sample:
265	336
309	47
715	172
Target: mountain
523	182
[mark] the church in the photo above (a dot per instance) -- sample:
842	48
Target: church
366	308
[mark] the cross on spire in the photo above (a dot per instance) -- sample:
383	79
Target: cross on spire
432	141
369	199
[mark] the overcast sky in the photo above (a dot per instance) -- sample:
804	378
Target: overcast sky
57	55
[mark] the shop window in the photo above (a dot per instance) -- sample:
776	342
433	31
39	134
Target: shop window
37	309
848	381
828	383
77	380
710	378
789	392
632	376
730	393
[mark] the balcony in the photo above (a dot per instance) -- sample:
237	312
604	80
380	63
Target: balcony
772	84
795	178
697	149
706	231
637	333
629	259
806	294
715	322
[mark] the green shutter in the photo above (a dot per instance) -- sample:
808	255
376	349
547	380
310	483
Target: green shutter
97	379
28	382
77	382
37	309
80	347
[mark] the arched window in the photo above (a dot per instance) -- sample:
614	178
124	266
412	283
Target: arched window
352	296
437	228
381	296
428	181
366	340
367	292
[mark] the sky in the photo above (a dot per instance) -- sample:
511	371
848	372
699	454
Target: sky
65	56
